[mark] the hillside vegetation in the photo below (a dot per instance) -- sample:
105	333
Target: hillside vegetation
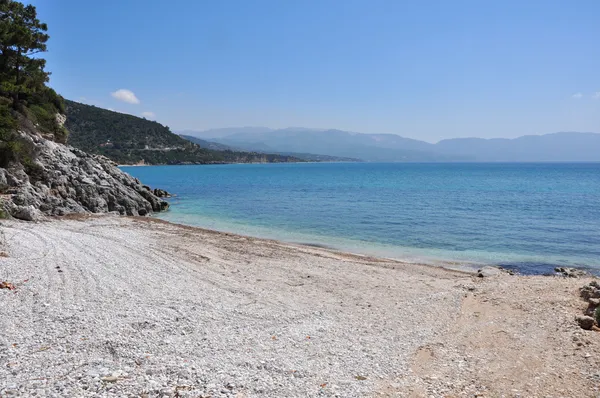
25	100
128	139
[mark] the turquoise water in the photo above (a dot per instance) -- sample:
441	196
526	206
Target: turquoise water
529	217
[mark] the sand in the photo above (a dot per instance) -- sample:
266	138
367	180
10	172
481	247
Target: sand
114	306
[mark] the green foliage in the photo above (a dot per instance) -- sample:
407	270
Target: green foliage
8	121
128	139
23	80
22	36
44	116
10	147
10	152
597	315
50	98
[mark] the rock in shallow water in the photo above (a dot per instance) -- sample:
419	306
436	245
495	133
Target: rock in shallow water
161	193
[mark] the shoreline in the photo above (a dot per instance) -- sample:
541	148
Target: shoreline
119	306
448	265
388	253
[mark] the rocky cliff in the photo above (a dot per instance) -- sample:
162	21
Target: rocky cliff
61	180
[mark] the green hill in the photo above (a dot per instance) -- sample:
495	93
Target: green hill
128	139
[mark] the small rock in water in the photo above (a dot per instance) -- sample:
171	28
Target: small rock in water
585	322
161	193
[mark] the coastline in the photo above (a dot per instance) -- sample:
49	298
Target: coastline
115	306
405	255
347	248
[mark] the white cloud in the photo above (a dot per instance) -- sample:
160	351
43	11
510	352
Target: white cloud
125	96
577	96
596	95
149	115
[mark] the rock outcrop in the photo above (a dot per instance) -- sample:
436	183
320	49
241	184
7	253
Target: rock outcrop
63	180
591	318
161	193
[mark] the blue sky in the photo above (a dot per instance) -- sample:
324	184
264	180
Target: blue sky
421	69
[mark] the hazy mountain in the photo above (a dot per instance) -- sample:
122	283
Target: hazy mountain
310	157
555	147
394	148
369	147
207	144
223	132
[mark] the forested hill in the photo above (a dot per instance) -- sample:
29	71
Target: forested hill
128	139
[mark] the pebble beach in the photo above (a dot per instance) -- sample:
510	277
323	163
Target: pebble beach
108	306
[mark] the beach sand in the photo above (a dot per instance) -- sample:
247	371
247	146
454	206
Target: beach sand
137	307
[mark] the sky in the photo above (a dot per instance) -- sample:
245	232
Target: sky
421	69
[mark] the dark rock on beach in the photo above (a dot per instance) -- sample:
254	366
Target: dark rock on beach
571	272
591	290
585	322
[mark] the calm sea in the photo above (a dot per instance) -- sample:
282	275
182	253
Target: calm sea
529	217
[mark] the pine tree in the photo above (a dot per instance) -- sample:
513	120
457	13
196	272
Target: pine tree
22	36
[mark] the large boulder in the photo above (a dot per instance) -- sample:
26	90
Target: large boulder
591	290
585	322
27	213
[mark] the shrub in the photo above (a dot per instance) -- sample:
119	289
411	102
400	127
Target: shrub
45	116
597	315
49	96
7	120
10	147
10	151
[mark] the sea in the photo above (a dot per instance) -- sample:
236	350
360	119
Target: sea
529	217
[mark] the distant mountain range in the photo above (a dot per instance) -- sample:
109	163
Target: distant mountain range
556	147
309	157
